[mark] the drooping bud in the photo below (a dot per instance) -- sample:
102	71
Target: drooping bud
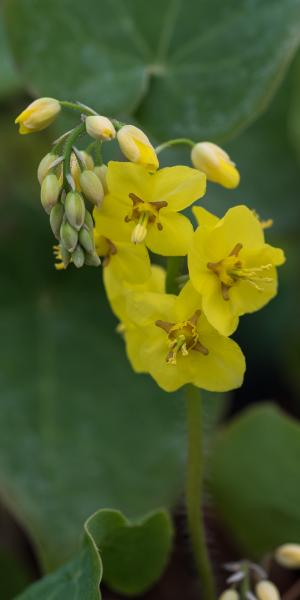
38	115
266	590
100	128
44	166
101	172
216	164
88	163
86	240
68	236
78	257
75	209
56	219
88	220
137	147
288	555
92	260
229	595
50	190
92	187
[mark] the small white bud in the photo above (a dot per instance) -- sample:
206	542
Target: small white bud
229	595
288	555
266	590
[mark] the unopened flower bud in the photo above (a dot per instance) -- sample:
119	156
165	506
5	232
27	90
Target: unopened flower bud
44	166
56	219
50	190
92	187
92	260
266	590
68	236
216	164
88	163
86	240
100	128
101	172
229	595
288	555
75	209
38	115
78	257
88	220
136	147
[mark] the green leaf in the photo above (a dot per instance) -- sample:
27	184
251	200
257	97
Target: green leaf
131	557
9	78
255	479
202	70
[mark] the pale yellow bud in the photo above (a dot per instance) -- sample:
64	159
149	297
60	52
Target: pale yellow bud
100	128
288	555
91	187
38	115
101	172
216	164
266	590
75	209
50	191
88	162
136	147
45	165
229	595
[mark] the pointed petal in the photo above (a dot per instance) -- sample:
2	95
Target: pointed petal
175	237
179	186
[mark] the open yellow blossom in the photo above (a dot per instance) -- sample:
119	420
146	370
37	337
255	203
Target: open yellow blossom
231	266
169	337
38	115
137	147
148	205
216	164
122	260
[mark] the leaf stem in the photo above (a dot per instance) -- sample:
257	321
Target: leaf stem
176	142
194	488
245	583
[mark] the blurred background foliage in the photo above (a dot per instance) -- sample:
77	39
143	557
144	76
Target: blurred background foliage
78	430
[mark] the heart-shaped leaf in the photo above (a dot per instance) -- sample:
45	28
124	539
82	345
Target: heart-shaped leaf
255	479
130	556
202	69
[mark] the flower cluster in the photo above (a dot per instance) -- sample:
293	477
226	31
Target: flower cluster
178	331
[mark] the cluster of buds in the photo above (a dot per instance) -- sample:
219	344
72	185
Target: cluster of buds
63	197
247	576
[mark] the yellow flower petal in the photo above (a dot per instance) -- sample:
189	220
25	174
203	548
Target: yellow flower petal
205	218
175	237
124	178
179	186
239	225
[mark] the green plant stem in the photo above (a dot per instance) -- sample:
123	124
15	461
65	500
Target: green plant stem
68	149
173	271
73	106
245	583
176	142
194	488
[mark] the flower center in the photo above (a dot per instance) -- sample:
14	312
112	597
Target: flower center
143	214
182	337
232	269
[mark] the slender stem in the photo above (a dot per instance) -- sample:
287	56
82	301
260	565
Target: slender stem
68	149
84	110
176	142
98	153
173	270
194	487
245	583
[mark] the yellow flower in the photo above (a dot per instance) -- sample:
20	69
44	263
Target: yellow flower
136	147
169	337
123	261
216	164
148	205
38	115
231	266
